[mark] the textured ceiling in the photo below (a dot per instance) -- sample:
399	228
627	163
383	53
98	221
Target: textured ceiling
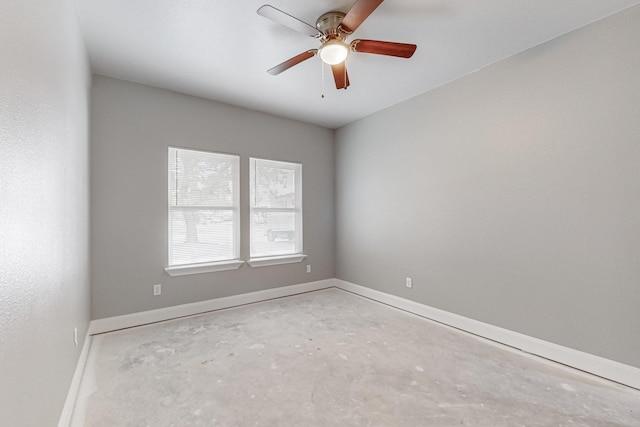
221	49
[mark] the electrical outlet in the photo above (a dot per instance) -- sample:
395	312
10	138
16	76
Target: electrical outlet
157	290
308	268
75	335
409	282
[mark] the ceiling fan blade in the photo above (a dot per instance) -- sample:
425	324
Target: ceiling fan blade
340	75
291	62
401	50
288	21
358	13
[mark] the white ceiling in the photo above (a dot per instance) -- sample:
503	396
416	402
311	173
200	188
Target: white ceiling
221	49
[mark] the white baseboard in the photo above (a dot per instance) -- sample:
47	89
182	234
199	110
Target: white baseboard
145	317
599	366
74	388
605	368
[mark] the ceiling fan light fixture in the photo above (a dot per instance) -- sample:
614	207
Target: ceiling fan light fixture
334	52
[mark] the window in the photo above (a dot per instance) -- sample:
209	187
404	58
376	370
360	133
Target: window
276	212
203	211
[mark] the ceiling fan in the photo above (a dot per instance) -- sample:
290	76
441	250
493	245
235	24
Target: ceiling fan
332	30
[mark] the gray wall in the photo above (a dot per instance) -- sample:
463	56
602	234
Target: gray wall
511	196
44	207
132	125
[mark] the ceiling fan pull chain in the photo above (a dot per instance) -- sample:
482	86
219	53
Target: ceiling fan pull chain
322	81
346	85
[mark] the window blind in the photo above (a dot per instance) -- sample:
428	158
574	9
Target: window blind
203	207
276	208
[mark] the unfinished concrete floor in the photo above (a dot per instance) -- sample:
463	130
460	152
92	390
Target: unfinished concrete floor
330	358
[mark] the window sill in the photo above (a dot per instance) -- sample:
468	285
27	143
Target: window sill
276	260
210	267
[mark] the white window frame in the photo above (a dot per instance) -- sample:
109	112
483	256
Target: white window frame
205	267
297	255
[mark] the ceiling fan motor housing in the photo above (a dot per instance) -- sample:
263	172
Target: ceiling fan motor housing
329	25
